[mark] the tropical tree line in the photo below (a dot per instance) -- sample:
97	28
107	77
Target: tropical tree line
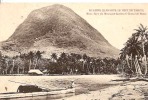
57	64
134	55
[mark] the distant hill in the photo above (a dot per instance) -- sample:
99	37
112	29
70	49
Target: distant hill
58	29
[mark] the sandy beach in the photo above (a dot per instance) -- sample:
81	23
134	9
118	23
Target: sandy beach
51	82
127	91
88	87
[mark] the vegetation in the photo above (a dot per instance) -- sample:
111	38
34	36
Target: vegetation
133	60
134	56
57	64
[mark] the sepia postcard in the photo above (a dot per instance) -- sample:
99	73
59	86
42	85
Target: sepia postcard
73	51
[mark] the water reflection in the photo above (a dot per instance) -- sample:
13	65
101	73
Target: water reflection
48	97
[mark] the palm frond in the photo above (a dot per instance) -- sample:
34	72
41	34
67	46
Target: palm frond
142	27
137	30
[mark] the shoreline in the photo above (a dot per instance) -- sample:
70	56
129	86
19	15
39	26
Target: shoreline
126	91
88	87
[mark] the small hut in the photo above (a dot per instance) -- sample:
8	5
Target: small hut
45	71
35	72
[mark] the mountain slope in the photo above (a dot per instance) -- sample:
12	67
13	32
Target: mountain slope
58	29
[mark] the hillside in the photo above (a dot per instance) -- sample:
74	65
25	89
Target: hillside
58	29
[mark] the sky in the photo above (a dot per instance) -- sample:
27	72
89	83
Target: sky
114	21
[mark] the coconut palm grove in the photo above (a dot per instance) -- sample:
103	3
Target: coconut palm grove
132	60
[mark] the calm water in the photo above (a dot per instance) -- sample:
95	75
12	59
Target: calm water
84	84
49	97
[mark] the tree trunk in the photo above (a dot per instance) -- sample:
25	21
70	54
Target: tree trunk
71	71
36	63
23	70
24	66
94	69
6	67
6	71
88	69
123	69
83	65
30	63
18	70
12	66
131	60
144	60
128	63
138	69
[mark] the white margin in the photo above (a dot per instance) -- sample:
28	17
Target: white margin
74	1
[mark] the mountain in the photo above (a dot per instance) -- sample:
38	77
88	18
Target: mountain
58	29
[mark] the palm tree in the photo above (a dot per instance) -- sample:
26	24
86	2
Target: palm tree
93	65
13	64
73	62
130	50
142	35
135	46
84	59
54	57
23	57
63	59
77	62
0	55
3	65
38	56
18	64
6	61
1	61
98	65
88	62
30	57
